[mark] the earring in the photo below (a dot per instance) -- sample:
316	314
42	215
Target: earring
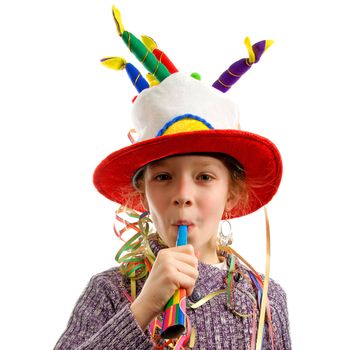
225	233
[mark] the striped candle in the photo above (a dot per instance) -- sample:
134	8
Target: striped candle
119	63
141	52
160	55
145	56
237	69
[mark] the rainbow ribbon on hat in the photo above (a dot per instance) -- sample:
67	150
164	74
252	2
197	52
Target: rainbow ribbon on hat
174	321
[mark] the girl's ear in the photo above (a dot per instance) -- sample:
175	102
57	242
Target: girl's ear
144	201
230	203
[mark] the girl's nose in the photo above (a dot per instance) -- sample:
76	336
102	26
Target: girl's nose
182	202
183	196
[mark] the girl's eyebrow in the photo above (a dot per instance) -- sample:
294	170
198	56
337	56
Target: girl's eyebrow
156	164
205	163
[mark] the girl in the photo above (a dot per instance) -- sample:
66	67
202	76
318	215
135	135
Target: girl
191	166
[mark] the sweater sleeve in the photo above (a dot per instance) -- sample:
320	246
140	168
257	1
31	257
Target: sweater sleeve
102	319
279	314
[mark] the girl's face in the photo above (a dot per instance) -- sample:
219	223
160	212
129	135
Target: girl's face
188	190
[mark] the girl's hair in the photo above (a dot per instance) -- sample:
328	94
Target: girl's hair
238	187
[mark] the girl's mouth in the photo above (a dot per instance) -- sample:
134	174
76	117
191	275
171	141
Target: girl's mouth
183	223
189	224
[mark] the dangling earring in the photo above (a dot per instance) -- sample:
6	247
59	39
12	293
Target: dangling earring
225	233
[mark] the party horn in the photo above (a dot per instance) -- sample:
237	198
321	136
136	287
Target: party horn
174	321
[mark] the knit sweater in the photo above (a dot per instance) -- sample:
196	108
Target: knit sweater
102	318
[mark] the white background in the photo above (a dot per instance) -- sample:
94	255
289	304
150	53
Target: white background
62	113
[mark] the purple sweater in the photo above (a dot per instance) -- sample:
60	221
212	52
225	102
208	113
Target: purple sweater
102	318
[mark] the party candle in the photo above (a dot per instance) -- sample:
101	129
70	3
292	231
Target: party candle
141	52
152	80
161	56
174	321
119	63
237	69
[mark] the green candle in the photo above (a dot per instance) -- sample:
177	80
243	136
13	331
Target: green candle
145	56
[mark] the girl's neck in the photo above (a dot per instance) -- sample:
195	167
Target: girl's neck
208	256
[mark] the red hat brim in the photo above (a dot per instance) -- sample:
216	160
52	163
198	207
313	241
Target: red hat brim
259	156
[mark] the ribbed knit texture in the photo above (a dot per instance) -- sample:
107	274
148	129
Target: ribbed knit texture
102	318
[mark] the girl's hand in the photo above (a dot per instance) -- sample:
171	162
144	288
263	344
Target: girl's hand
173	268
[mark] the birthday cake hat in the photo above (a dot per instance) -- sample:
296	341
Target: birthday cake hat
178	114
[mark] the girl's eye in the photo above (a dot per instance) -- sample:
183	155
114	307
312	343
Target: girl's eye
162	177
205	177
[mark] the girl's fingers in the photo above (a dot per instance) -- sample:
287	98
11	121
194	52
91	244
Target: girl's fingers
179	275
168	256
185	258
186	282
186	269
173	268
188	249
